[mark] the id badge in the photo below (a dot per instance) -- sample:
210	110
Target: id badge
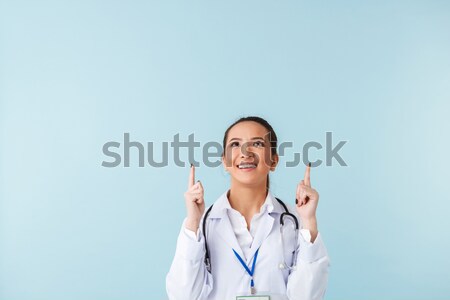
253	297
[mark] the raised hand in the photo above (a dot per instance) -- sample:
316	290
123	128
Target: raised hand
195	203
306	198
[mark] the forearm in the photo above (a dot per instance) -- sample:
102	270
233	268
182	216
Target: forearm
192	224
187	277
311	225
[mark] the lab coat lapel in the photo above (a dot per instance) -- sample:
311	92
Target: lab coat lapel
264	229
226	232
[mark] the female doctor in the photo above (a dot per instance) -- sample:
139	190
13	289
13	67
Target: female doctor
247	249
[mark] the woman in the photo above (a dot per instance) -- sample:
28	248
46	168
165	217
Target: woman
246	253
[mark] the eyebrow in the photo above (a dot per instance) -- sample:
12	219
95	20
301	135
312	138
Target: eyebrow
254	138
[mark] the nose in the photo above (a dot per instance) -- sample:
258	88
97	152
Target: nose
246	151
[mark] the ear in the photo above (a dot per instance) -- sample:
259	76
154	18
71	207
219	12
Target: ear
275	160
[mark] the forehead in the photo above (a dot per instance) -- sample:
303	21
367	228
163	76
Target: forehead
247	130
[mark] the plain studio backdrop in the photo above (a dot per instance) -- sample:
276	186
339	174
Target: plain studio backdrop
78	74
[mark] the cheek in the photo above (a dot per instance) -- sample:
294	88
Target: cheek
230	157
266	158
235	153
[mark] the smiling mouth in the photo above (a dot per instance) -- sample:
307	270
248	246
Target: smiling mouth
245	166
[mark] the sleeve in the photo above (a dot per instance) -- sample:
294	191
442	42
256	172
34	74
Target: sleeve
305	233
188	278
310	278
193	235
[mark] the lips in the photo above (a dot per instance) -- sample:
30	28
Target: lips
247	165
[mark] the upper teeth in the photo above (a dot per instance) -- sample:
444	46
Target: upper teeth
244	166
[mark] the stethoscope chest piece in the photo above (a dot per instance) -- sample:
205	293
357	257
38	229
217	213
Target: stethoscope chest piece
283	266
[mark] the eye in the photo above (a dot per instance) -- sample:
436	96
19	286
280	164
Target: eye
258	144
233	144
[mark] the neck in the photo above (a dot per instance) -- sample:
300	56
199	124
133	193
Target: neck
247	200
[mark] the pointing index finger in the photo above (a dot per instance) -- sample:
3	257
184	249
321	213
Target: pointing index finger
191	176
307	175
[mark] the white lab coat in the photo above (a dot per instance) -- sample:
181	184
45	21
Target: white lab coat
188	278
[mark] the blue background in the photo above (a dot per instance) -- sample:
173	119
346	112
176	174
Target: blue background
75	75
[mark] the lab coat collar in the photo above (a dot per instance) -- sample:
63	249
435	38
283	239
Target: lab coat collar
222	204
225	229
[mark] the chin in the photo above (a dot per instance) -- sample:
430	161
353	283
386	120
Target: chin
249	181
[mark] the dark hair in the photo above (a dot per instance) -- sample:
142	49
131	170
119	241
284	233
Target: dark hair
272	135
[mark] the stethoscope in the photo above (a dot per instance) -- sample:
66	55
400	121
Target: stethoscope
286	215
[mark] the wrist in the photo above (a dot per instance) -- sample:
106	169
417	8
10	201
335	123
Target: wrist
192	224
310	224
